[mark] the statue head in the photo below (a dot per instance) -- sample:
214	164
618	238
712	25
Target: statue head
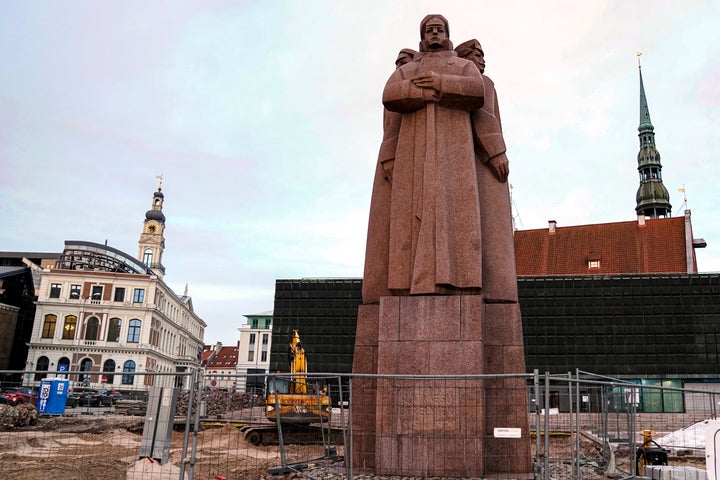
406	55
472	50
435	34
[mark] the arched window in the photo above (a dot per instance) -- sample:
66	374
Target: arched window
69	327
147	257
128	367
63	365
91	328
48	330
114	330
109	366
86	366
42	366
134	331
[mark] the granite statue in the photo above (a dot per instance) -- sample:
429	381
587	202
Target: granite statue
376	257
439	279
492	169
434	242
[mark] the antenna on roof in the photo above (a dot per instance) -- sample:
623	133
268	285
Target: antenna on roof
684	205
514	210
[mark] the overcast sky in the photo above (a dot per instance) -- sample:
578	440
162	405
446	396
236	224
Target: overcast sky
265	120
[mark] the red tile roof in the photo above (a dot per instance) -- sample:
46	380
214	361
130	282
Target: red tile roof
226	358
207	351
622	247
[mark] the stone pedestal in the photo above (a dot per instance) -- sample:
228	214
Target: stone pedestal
364	390
429	427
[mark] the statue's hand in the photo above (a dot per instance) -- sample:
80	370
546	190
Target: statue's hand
388	169
500	167
427	80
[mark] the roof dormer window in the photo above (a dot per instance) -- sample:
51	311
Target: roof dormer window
594	261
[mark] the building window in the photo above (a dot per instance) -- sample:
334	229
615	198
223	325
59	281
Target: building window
63	365
114	330
69	327
265	342
594	261
147	257
139	295
97	291
55	290
254	323
255	381
267	323
91	328
42	366
134	331
251	348
119	294
108	370
86	366
128	367
74	292
48	330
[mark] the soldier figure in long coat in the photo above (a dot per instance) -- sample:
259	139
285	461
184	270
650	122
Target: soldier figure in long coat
435	243
498	259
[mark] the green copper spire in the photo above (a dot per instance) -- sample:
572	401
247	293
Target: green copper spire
645	123
652	197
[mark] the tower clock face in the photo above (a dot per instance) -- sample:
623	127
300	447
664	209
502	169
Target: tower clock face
151	228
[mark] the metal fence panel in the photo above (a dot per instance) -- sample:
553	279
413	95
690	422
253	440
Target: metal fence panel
581	426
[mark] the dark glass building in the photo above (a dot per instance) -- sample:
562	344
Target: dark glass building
628	326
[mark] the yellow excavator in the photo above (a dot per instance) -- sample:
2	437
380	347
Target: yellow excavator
289	395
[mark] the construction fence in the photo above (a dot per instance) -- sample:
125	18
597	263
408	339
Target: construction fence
204	425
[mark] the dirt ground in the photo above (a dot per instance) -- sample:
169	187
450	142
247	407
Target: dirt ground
74	448
66	448
107	448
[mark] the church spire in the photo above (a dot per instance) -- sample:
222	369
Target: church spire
652	197
152	238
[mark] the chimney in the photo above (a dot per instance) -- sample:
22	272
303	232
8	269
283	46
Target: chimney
552	224
641	219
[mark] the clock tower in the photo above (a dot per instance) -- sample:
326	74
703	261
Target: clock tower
152	238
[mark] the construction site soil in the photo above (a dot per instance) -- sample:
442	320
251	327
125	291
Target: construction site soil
107	448
72	448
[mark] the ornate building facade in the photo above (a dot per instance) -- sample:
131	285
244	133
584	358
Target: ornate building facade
108	318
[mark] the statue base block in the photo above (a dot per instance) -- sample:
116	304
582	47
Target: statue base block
440	427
